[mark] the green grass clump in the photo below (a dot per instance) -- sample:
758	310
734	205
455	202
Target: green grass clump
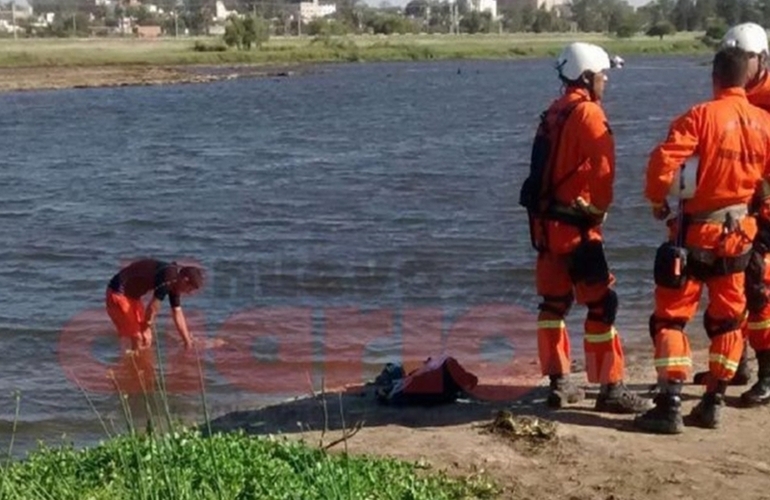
187	465
209	47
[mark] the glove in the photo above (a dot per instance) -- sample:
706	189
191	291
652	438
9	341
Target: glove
581	204
661	210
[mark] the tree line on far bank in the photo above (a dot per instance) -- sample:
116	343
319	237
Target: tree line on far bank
616	17
660	17
278	17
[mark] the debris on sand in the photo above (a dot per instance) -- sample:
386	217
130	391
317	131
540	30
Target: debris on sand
516	427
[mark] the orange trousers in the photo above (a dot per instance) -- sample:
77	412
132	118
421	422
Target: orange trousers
757	328
601	343
675	307
126	314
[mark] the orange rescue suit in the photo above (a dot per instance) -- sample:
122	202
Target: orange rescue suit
581	174
759	93
757	328
731	138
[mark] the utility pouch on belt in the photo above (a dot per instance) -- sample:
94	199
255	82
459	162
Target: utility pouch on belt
670	264
587	263
670	268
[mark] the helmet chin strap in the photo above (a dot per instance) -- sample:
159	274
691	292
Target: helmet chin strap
588	84
761	72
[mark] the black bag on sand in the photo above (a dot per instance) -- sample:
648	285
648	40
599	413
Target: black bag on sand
440	380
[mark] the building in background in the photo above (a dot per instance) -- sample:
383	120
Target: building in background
307	11
221	11
534	4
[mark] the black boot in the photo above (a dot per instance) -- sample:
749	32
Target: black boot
741	377
707	412
666	416
759	394
563	392
617	398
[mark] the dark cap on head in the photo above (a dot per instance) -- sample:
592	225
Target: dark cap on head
731	67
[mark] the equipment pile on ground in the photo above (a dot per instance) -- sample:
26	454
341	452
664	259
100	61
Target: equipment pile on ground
517	427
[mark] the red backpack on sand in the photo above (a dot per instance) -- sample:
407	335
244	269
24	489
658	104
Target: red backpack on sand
440	380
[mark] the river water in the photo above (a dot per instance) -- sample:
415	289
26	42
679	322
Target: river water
346	217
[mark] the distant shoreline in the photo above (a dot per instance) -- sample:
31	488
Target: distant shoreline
73	77
39	64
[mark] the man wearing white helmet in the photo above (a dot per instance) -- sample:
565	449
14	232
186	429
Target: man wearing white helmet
567	195
710	240
752	39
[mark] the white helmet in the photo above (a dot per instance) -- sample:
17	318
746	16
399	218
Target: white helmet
750	37
578	57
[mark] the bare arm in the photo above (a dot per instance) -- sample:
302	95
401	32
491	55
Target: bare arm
181	326
152	312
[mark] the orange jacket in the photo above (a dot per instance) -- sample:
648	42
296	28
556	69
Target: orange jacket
759	93
584	165
732	139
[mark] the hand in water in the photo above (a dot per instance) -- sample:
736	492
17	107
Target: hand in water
215	343
203	344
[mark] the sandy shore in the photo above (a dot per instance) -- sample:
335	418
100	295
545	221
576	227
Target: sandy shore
594	456
68	77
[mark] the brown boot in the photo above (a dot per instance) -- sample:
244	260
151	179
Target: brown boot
563	392
617	398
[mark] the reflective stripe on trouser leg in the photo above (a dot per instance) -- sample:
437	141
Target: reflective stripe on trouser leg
758	329
553	344
673	359
724	355
555	288
604	354
722	321
674	308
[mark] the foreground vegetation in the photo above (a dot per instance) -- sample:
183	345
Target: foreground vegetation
290	50
169	461
185	465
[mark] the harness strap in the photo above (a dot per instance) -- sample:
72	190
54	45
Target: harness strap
734	212
704	263
571	216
